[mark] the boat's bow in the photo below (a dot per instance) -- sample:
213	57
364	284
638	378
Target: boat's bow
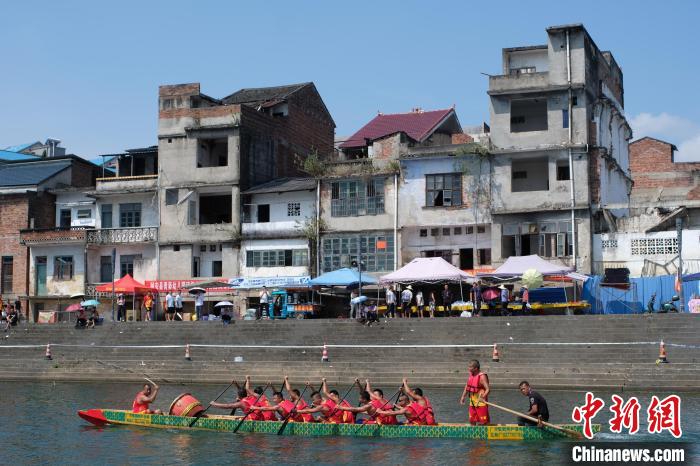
94	416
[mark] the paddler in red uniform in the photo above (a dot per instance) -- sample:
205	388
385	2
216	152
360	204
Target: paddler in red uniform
377	402
326	407
281	406
244	402
295	397
477	388
414	412
144	398
259	395
417	396
365	407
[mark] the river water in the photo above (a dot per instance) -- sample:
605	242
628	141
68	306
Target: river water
41	427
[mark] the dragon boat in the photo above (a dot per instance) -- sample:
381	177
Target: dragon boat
104	417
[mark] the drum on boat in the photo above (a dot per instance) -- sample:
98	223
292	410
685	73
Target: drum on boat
185	405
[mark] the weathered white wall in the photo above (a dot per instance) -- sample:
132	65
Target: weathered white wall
271	244
538	58
58	287
149	208
145	269
75	201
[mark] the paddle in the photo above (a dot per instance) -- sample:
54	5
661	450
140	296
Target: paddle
388	402
250	410
215	399
289	414
569	432
356	382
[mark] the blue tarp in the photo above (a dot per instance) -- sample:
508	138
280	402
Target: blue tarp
609	300
343	277
548	295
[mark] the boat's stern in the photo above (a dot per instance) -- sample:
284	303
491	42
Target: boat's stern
93	416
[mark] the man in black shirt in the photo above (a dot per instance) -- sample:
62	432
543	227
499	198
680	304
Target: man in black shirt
538	405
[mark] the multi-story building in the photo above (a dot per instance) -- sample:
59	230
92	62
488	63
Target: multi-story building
664	208
211	150
559	147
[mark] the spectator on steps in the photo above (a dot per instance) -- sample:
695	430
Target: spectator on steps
264	302
178	305
432	303
504	300
94	316
406	299
477	298
390	302
121	307
420	303
354	307
4	320
82	318
199	305
148	305
447	300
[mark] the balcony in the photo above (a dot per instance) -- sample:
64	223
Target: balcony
123	235
519	83
261	230
131	183
52	236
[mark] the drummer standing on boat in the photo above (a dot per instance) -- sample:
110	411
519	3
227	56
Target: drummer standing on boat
144	398
477	388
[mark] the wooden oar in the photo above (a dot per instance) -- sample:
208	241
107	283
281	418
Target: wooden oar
569	432
250	410
395	395
194	421
290	413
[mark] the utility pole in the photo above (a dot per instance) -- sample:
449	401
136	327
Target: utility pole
679	235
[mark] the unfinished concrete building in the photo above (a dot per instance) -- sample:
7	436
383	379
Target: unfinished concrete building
212	149
559	147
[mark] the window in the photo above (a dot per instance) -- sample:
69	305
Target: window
203	248
212	248
278	258
565	118
126	264
423	232
445	232
574	101
106	215
530	175
609	244
353	198
212	153
480	229
64	219
195	266
484	256
130	215
192	212
523	70
7	272
434	232
443	190
263	213
293	209
170	196
176	248
340	251
63	267
554	244
215	208
528	115
84	213
444	253
563	171
457	230
217	269
654	246
105	269
470	230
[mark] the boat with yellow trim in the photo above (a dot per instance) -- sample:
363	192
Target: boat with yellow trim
103	417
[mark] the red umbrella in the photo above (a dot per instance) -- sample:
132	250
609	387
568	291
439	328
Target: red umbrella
73	308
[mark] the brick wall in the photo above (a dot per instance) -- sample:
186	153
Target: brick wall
14	211
84	173
461	138
652	167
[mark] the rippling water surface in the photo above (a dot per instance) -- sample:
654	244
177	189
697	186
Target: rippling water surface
41	426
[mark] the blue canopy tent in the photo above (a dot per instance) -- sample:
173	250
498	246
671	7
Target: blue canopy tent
343	277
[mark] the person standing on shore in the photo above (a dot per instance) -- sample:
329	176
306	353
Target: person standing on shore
169	307
148	305
178	305
432	304
406	298
121	307
390	302
264	302
477	298
447	300
504	300
477	389
199	304
353	306
420	303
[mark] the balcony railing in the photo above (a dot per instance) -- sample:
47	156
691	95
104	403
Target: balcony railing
123	235
111	179
52	236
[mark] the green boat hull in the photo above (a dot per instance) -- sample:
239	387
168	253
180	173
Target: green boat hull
229	424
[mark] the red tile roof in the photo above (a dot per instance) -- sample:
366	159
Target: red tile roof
417	125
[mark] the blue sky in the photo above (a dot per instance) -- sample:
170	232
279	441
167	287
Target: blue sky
88	72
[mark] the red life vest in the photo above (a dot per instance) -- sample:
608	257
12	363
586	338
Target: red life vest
416	413
337	416
383	418
287	407
429	414
266	415
474	387
137	407
303	417
249	402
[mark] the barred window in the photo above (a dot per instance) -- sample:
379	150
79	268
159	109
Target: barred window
443	190
353	198
654	246
293	209
63	267
278	258
609	244
377	252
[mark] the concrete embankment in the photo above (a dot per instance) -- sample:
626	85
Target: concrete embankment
558	352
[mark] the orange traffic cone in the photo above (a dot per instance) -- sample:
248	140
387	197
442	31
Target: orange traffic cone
495	356
324	355
662	354
187	352
48	351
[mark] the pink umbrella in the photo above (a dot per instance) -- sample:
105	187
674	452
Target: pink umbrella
73	308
